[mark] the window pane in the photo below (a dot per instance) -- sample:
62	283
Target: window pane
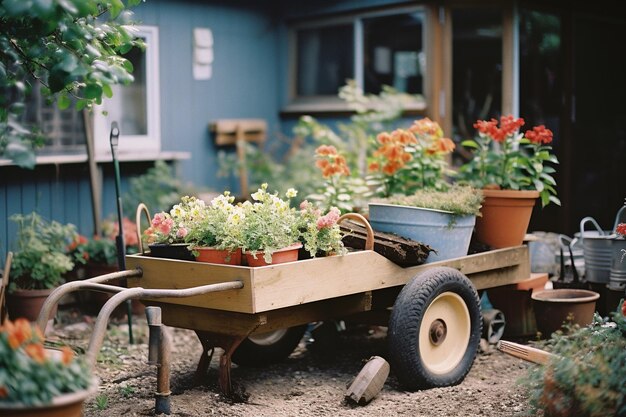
325	59
540	78
130	101
477	68
393	53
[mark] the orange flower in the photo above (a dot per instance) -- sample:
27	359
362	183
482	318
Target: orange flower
441	146
427	127
18	332
67	355
539	134
330	162
4	392
36	352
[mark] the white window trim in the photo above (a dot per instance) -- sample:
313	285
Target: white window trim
331	103
129	144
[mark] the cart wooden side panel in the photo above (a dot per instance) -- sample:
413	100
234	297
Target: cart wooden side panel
279	286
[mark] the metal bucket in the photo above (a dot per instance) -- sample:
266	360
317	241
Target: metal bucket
617	275
597	252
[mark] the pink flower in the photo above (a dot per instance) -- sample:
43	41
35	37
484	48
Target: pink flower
181	233
158	219
304	205
328	220
165	226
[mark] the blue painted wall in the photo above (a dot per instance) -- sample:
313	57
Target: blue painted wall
249	81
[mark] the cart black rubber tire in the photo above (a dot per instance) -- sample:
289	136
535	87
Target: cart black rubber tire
276	347
406	355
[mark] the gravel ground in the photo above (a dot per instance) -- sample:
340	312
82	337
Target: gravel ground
311	382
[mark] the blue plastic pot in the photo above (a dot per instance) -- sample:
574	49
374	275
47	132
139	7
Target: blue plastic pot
445	232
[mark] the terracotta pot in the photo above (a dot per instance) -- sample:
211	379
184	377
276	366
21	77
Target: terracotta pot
288	254
554	307
505	217
219	256
65	405
27	303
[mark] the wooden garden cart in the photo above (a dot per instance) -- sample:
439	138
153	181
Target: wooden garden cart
259	314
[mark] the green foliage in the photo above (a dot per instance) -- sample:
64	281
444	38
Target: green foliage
269	223
127	391
218	225
587	377
320	233
102	402
29	374
72	48
41	256
354	140
458	199
159	189
101	250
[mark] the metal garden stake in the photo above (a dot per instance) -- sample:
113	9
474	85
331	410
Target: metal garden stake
119	239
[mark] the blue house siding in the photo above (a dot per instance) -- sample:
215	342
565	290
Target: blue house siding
245	84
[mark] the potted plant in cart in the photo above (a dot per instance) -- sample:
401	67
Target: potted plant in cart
269	232
39	263
167	234
214	231
441	219
35	381
511	168
320	234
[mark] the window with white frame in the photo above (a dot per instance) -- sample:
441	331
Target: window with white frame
136	106
373	48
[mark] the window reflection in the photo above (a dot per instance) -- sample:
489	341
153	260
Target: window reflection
477	68
393	53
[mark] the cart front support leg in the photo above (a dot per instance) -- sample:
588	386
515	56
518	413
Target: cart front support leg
227	342
159	353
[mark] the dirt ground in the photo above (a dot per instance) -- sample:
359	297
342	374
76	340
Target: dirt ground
311	382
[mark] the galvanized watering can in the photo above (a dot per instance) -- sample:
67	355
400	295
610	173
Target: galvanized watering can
598	250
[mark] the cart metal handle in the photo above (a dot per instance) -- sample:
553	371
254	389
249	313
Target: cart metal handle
141	208
369	240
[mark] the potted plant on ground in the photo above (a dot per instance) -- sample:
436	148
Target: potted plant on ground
37	381
39	263
585	377
214	230
269	231
511	169
443	220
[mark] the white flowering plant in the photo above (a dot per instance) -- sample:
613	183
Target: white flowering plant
320	233
217	225
270	223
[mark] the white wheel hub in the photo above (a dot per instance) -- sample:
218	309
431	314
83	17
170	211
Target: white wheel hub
444	333
268	338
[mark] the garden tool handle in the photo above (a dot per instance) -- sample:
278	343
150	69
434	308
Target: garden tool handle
595	223
369	240
141	208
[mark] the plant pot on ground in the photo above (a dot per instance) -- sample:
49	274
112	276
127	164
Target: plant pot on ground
39	263
40	381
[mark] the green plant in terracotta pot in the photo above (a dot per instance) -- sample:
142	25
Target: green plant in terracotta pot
214	230
513	169
39	263
270	225
34	379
